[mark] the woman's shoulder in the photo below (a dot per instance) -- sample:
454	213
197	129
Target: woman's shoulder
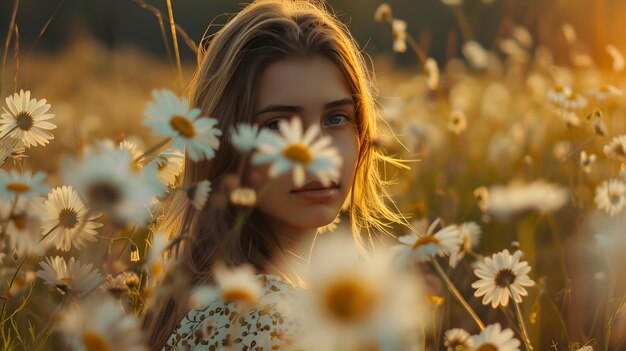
219	326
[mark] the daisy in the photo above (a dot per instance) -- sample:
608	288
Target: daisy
291	149
169	165
611	196
432	73
606	91
11	148
383	13
558	93
398	28
616	148
457	340
470	235
424	247
502	276
573	101
24	225
25	184
172	117
237	284
71	276
26	120
198	193
244	137
586	161
457	123
354	303
517	198
493	338
99	323
62	220
107	181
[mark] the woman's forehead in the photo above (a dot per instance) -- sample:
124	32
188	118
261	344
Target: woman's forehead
305	82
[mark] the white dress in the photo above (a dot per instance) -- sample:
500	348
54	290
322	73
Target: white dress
217	326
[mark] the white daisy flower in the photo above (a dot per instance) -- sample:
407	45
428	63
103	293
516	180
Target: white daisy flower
616	148
291	149
470	235
71	276
198	194
457	339
24	225
354	303
605	91
398	28
106	180
518	198
169	165
26	120
424	247
172	117
502	276
558	93
26	184
457	123
236	284
573	101
244	137
586	161
611	196
64	213
493	338
11	148
99	323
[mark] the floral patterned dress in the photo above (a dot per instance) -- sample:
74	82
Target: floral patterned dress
218	326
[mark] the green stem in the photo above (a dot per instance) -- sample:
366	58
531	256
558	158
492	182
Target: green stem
458	295
154	148
522	325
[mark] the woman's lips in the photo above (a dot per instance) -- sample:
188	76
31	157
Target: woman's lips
316	191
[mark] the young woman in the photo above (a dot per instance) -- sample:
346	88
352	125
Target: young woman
274	61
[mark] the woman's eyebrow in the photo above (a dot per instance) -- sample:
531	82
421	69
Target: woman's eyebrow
271	108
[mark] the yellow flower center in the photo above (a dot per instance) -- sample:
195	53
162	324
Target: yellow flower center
425	240
95	342
604	89
18	187
487	347
349	299
239	294
24	121
298	153
183	126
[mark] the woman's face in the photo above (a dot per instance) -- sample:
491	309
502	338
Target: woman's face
306	87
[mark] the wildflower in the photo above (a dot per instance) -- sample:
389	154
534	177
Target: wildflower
432	73
573	101
134	253
26	120
517	197
243	197
154	258
425	247
352	303
23	225
475	54
71	276
618	59
244	137
606	91
198	193
292	149
502	276
457	123
457	340
470	235
173	118
99	323
236	284
586	161
12	183
558	93
63	218
493	338
383	13
107	181
610	196
115	285
616	148
169	165
398	28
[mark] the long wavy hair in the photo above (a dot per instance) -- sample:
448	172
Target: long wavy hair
224	86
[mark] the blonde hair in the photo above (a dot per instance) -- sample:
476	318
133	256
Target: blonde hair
224	87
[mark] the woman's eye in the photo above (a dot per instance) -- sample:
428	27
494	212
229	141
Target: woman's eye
273	124
337	119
